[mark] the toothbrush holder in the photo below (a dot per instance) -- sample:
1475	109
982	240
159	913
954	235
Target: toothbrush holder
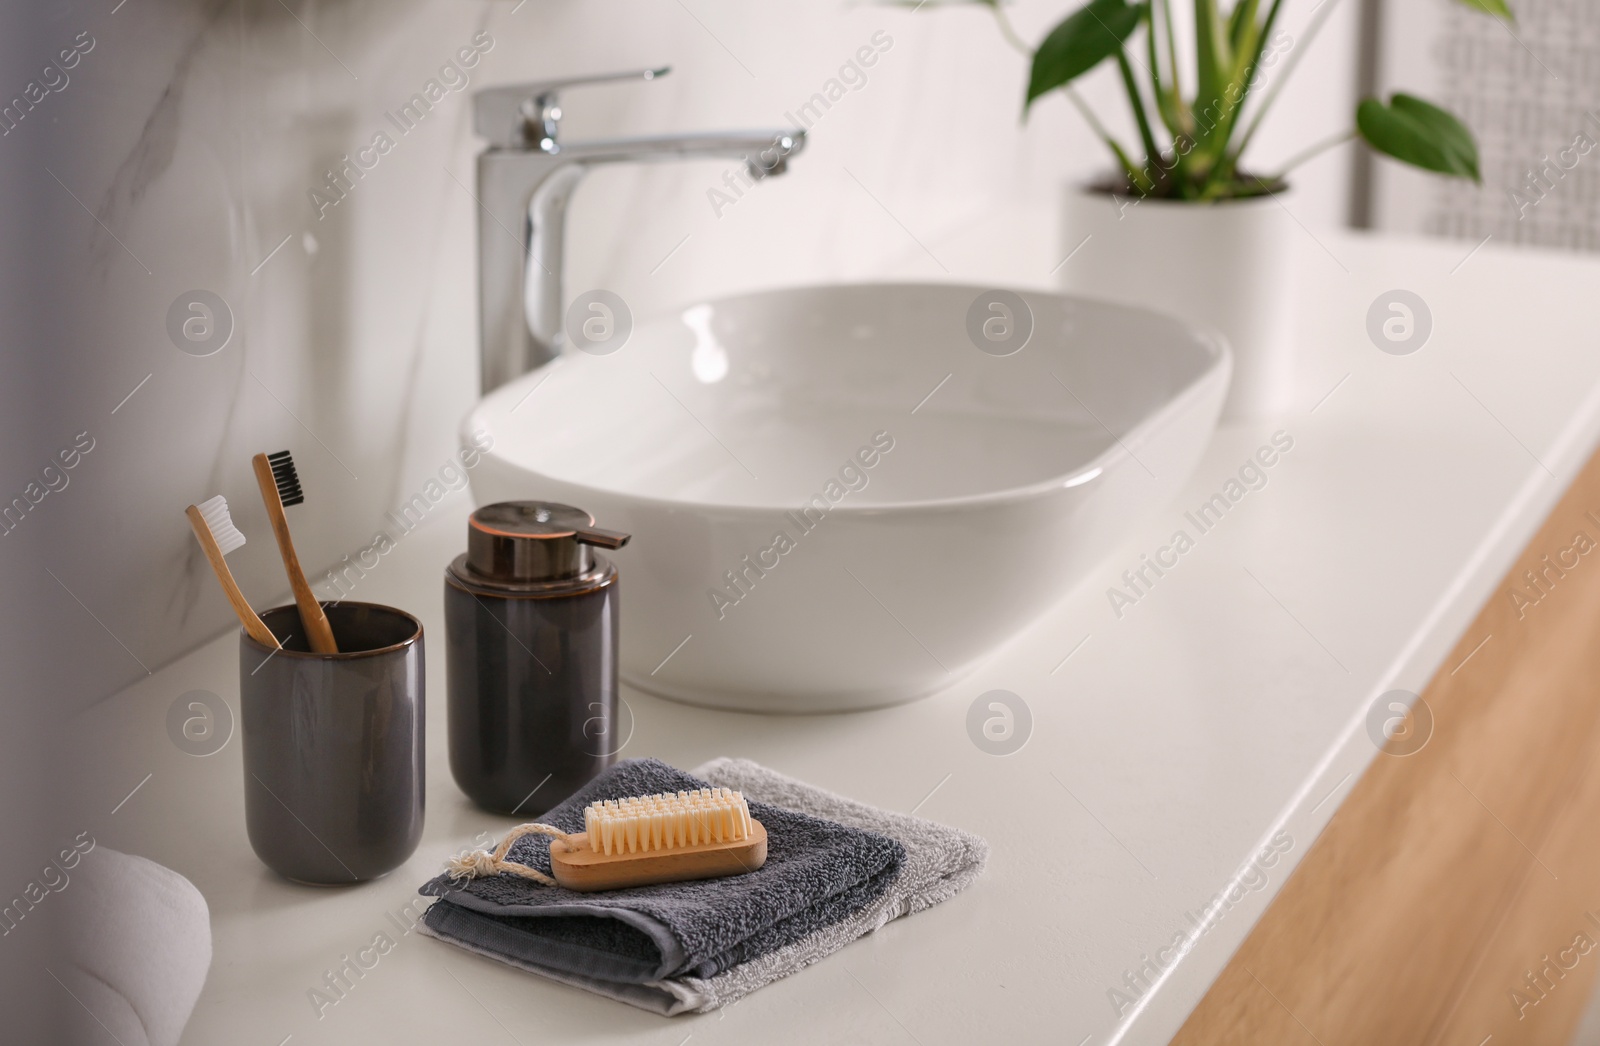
333	744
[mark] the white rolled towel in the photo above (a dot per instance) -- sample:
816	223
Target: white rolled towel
139	945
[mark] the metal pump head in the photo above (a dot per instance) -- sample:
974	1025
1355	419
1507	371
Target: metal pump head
523	541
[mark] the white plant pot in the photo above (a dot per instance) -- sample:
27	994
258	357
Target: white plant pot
1227	266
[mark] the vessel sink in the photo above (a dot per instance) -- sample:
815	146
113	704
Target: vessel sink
843	497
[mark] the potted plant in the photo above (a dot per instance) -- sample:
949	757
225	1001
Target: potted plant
1182	223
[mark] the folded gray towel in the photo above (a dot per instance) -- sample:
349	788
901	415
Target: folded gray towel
940	862
816	874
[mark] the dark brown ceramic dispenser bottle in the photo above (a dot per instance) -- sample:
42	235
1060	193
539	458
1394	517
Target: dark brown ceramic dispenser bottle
531	640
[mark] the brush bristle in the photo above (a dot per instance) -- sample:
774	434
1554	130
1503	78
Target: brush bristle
215	513
667	821
284	475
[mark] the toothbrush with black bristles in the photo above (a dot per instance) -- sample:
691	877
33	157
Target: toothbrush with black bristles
280	486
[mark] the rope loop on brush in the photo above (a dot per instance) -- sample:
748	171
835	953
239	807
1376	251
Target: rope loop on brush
475	864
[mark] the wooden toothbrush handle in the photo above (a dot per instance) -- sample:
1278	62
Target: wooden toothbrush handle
318	632
252	623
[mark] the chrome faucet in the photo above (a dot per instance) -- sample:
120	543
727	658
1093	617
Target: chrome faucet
525	178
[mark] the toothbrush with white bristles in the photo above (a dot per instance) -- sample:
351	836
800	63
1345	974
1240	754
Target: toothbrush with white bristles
214	529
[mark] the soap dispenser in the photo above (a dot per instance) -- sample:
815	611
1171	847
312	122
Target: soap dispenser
531	650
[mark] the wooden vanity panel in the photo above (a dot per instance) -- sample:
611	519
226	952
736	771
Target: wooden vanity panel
1545	916
1448	874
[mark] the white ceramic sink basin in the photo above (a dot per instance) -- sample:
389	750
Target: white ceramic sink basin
814	531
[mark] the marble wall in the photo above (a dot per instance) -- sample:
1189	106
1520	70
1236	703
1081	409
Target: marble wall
179	151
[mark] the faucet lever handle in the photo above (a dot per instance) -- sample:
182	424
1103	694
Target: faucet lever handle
529	114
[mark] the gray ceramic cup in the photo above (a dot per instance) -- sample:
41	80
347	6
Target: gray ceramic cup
333	744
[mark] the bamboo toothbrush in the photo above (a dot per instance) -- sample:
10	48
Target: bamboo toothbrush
280	486
664	838
218	536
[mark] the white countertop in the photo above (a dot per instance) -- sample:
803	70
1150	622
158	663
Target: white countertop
1226	706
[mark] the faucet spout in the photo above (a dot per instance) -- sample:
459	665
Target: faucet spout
764	153
524	186
764	150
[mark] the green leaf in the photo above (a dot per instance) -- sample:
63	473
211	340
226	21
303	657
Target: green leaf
1422	135
1452	133
1498	8
1082	41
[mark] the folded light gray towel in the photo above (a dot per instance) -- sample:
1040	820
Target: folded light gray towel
817	872
940	862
